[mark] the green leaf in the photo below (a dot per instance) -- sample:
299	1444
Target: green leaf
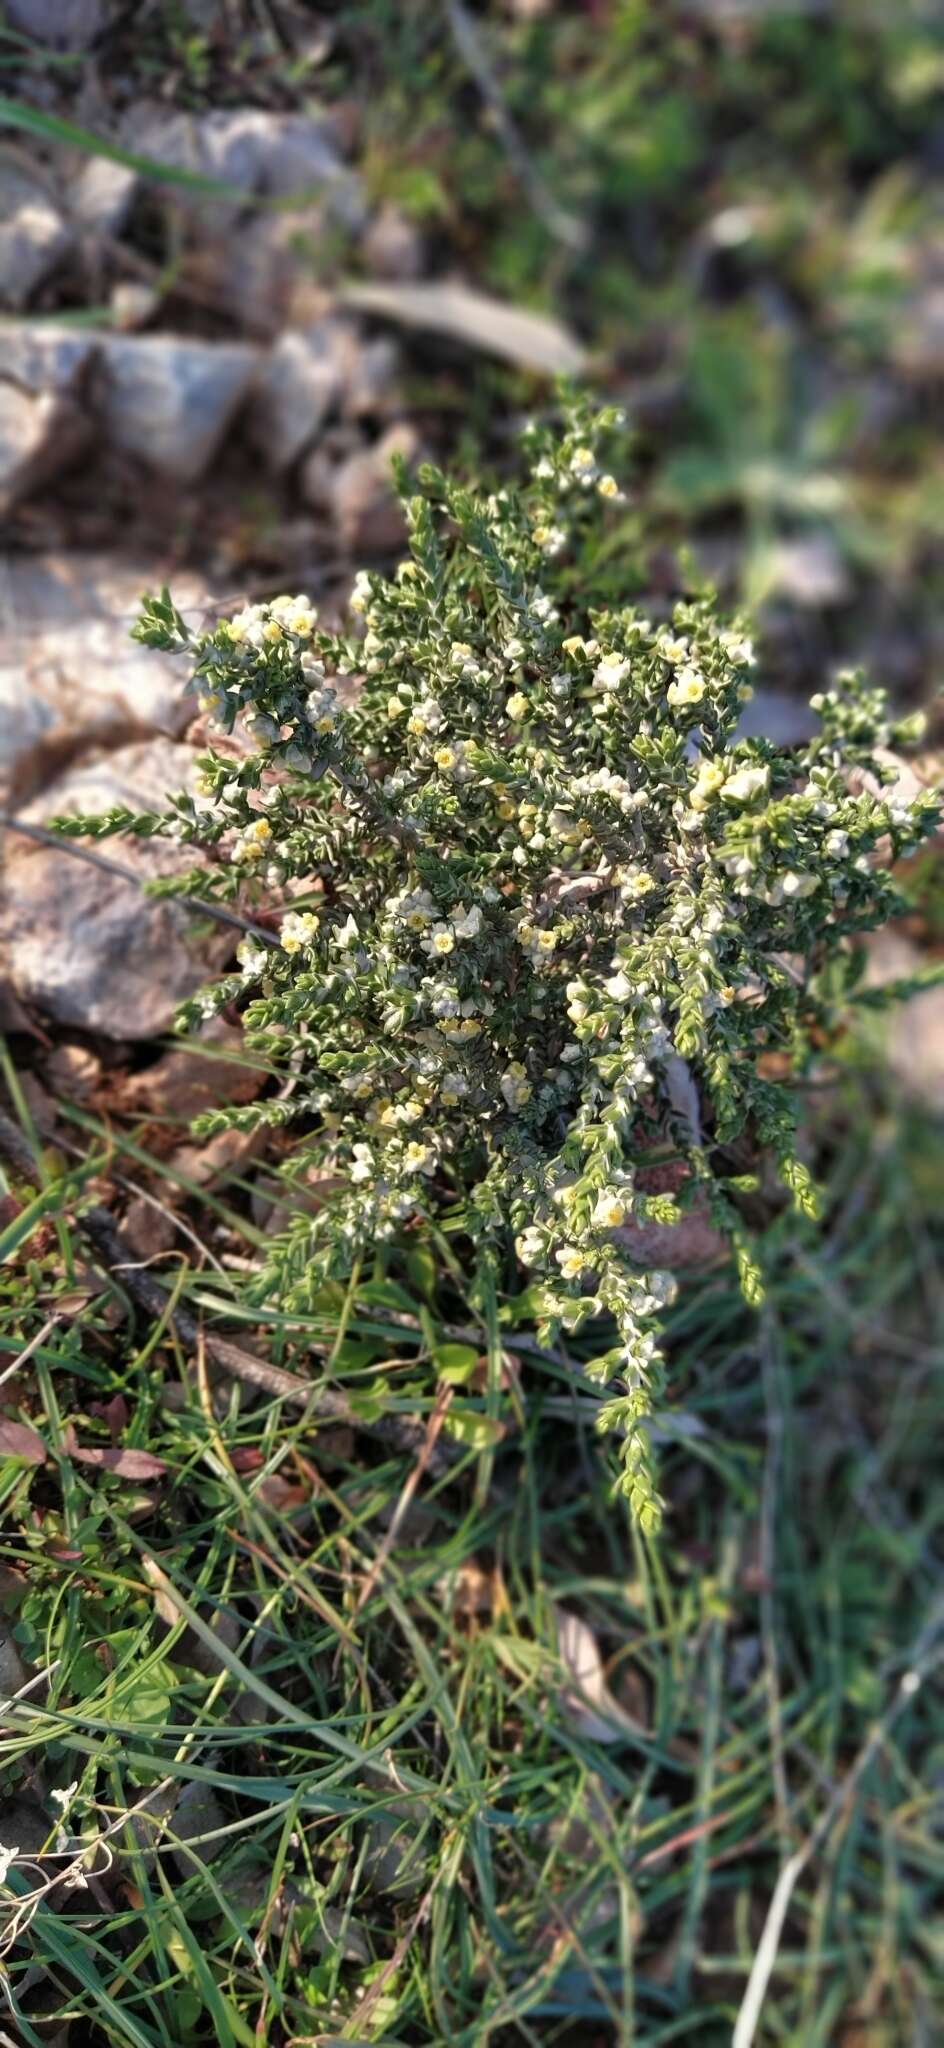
455	1363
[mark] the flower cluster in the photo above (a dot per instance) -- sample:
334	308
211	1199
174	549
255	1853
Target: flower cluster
539	915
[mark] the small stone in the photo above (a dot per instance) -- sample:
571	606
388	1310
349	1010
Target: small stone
84	946
301	382
809	572
74	1072
393	245
40	434
169	400
372	379
101	195
33	235
367	512
133	305
185	1082
61	24
148	1230
45	358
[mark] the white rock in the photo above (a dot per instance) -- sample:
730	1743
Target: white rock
278	155
87	948
302	380
101	195
63	24
163	398
33	235
70	676
808	571
40	433
168	400
393	246
45	358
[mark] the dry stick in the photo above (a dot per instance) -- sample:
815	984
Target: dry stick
115	1254
60	844
564	226
770	1360
921	1661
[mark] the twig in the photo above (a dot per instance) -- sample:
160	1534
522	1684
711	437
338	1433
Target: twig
564	226
59	844
921	1660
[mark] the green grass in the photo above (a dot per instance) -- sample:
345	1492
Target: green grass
332	1780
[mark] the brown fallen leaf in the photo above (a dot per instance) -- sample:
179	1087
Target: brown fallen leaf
531	340
18	1440
117	1458
587	1701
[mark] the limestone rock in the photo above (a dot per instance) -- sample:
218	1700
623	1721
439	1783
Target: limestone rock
70	675
254	151
301	382
62	24
45	358
33	235
86	947
169	400
366	509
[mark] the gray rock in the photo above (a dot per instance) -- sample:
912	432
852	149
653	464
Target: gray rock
168	401
255	152
301	382
372	378
365	507
45	358
101	195
40	433
87	948
808	571
393	246
63	24
778	716
33	235
70	676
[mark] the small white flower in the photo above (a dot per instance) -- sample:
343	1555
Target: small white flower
363	1163
7	1859
619	987
468	923
530	1247
610	670
571	1261
515	1086
745	784
688	687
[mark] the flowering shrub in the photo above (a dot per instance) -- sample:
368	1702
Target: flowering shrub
537	916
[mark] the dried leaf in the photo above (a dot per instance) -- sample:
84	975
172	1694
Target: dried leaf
18	1440
118	1458
530	340
588	1703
